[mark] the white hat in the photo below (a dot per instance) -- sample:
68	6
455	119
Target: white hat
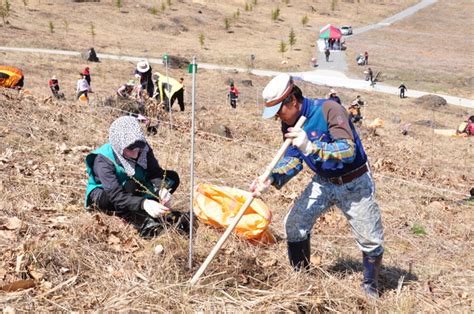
54	78
275	92
332	91
143	66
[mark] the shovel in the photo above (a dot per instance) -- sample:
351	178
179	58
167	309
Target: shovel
244	207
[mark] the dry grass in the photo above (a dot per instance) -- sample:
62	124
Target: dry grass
90	261
133	30
430	51
94	262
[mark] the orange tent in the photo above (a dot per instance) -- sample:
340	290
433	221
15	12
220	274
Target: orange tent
11	77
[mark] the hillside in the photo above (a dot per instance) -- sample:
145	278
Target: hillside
85	261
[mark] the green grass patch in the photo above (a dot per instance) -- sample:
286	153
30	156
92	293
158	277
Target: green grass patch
419	230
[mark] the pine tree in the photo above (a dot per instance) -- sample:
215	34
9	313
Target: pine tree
282	48
292	38
201	40
304	20
51	27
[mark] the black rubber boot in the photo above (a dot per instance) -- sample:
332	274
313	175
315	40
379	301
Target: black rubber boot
299	254
372	266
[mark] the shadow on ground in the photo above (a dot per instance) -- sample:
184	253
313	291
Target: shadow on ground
389	275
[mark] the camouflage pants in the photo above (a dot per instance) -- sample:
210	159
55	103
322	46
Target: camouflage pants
356	200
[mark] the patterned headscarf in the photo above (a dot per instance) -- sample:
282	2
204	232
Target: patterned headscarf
124	132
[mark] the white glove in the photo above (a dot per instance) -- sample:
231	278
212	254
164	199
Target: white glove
260	186
300	140
154	209
165	196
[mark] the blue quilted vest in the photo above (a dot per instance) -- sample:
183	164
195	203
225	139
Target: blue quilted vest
316	128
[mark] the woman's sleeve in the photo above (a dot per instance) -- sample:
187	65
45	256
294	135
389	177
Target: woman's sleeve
104	173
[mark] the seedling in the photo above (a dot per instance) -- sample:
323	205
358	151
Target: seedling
226	24
51	27
292	38
201	40
282	48
304	20
275	14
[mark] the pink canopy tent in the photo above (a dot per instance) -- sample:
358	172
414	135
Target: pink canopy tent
330	31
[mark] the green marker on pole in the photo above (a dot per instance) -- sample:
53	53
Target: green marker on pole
165	57
190	68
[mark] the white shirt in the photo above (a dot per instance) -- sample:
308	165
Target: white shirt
82	85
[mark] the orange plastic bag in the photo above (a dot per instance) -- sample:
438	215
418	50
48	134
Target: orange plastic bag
83	98
218	205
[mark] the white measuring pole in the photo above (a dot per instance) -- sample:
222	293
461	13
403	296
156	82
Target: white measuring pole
168	89
191	214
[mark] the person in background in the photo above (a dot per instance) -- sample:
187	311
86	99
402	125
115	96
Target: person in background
125	91
53	84
402	89
355	110
370	76
233	95
82	88
329	144
466	128
87	76
167	87
126	180
366	58
333	96
327	53
144	72
181	81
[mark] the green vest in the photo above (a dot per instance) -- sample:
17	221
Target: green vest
106	150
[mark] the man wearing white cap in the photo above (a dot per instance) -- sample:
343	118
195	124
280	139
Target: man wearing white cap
144	71
330	146
333	96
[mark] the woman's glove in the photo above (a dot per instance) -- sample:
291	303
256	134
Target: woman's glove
154	209
260	186
165	196
300	140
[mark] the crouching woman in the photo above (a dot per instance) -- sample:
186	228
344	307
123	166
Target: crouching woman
126	180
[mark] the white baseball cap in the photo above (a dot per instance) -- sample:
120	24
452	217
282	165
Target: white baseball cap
277	90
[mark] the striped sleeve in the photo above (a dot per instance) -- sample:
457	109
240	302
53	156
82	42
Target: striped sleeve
341	150
288	167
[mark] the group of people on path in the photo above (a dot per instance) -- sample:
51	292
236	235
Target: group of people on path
125	178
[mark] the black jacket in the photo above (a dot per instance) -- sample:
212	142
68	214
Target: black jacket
104	173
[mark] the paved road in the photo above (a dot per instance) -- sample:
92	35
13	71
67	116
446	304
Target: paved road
395	18
338	58
320	77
